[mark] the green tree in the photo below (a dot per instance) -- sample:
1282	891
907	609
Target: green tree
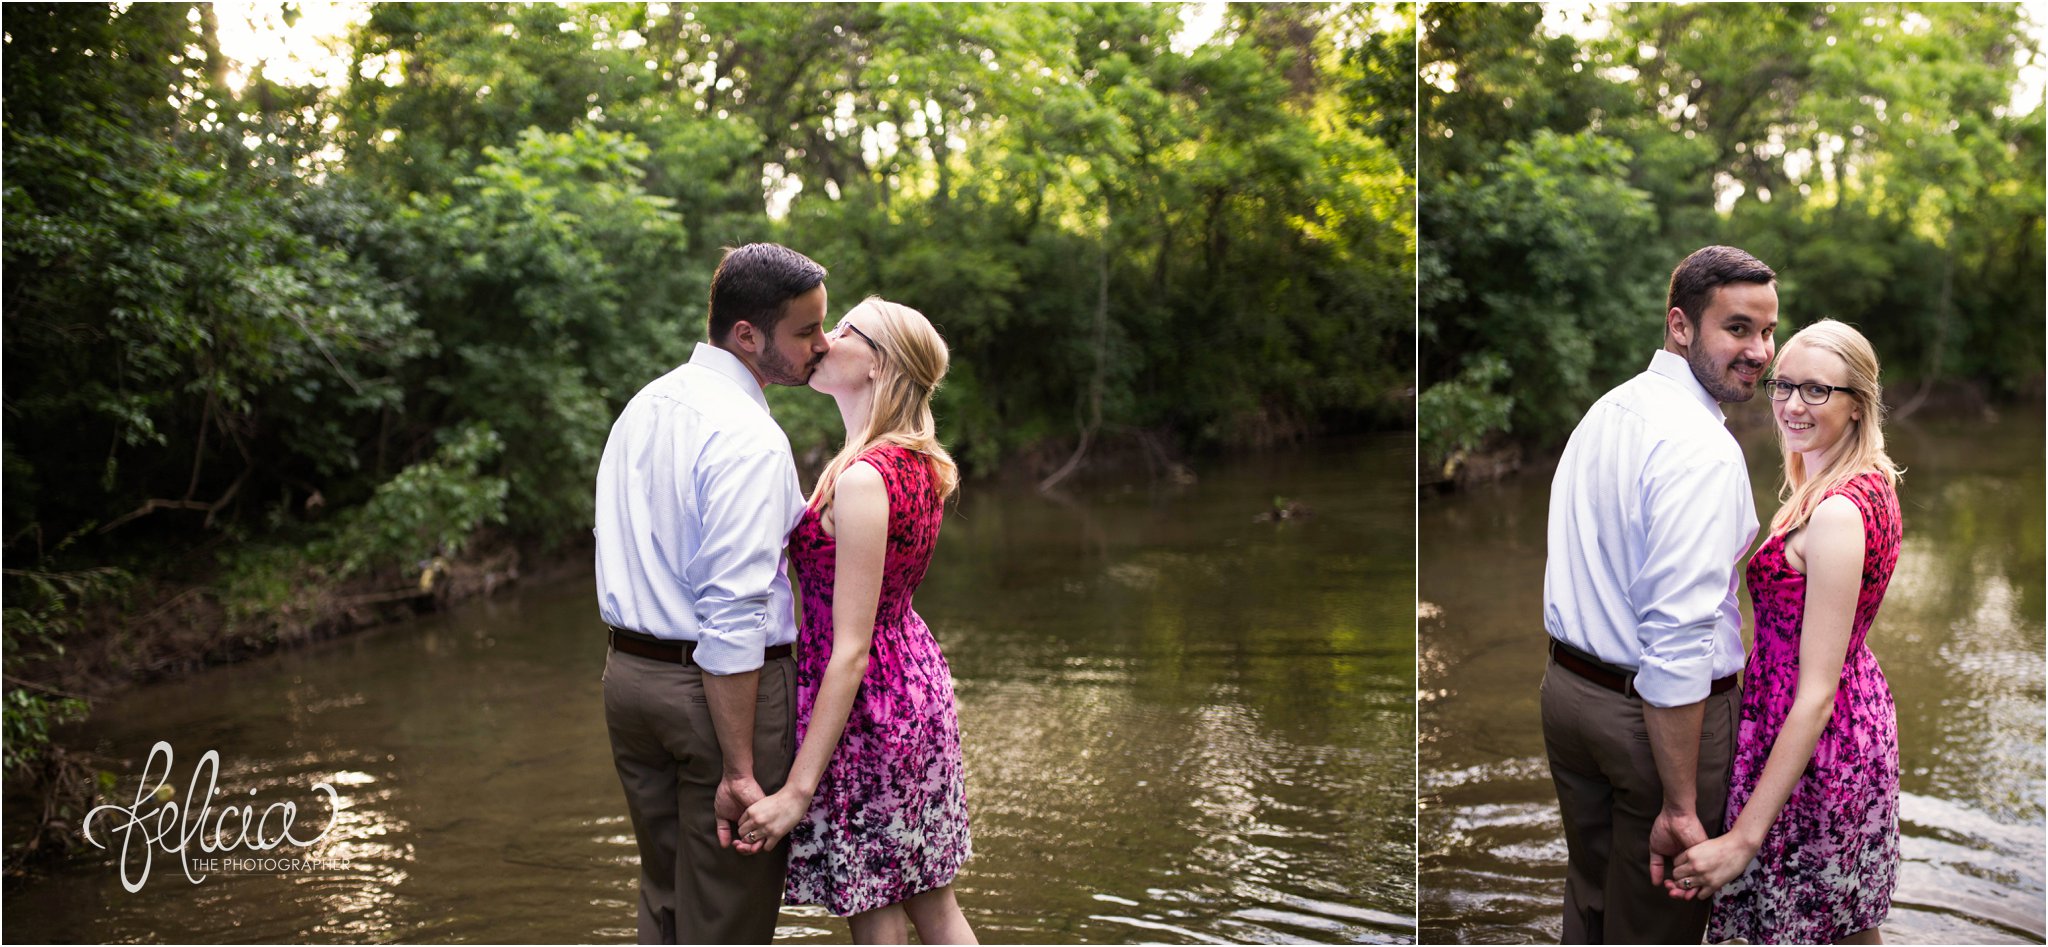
320	334
550	279
1868	152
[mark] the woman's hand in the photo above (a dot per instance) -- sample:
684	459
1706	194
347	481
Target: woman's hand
766	822
1708	867
861	514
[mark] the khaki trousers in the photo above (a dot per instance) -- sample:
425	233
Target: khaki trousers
1609	794
691	890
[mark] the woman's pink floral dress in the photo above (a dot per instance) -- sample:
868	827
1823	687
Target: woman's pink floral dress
1829	864
890	817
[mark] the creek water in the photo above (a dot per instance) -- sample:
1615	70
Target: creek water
1960	637
1182	724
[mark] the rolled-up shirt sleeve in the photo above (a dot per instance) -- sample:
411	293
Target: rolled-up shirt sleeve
748	504
1696	530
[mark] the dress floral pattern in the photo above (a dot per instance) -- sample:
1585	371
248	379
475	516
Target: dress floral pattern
889	820
1829	864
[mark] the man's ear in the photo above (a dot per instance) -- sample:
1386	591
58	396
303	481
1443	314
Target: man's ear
1678	328
745	337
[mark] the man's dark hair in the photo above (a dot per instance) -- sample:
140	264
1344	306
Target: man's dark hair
1709	269
755	283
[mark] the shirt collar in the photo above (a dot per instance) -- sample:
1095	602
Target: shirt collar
728	366
1673	366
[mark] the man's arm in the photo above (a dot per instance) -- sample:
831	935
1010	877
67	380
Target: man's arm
748	503
1696	531
1675	744
731	699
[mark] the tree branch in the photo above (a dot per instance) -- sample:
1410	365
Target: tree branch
153	505
45	688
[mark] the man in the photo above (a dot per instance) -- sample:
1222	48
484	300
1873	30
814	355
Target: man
695	496
1650	515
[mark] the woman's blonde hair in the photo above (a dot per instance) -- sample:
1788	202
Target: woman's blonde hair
910	360
1802	491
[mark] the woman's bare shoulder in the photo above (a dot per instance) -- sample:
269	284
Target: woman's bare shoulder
1837	519
858	480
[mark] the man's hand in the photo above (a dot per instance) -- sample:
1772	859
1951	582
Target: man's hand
1675	744
730	698
735	794
1674	831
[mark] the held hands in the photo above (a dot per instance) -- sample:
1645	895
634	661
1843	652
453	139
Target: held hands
768	821
1673	833
734	795
1708	867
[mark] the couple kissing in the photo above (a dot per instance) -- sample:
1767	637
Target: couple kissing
763	759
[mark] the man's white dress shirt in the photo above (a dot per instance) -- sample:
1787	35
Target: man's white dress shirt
1650	515
696	495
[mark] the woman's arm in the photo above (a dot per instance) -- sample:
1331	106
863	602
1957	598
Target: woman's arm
860	514
1834	575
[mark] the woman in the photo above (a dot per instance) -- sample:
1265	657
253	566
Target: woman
876	803
1812	849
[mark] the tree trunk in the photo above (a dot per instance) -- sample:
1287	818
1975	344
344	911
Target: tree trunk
1100	378
1943	314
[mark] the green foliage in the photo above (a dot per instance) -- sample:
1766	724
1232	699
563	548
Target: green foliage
325	333
126	69
1869	152
178	331
429	509
1547	244
30	716
1378	77
1459	414
43	609
1110	231
550	279
439	83
1491	75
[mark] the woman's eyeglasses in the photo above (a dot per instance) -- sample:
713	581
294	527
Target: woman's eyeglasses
1811	392
844	327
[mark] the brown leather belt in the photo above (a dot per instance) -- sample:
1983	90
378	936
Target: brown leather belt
1612	677
674	652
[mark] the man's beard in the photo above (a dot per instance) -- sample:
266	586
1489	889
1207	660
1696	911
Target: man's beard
1715	378
779	370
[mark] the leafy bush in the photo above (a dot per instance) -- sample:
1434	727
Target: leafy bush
1556	267
43	609
551	280
430	508
1459	415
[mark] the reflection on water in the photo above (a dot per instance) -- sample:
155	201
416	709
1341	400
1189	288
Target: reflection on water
1960	636
1182	724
